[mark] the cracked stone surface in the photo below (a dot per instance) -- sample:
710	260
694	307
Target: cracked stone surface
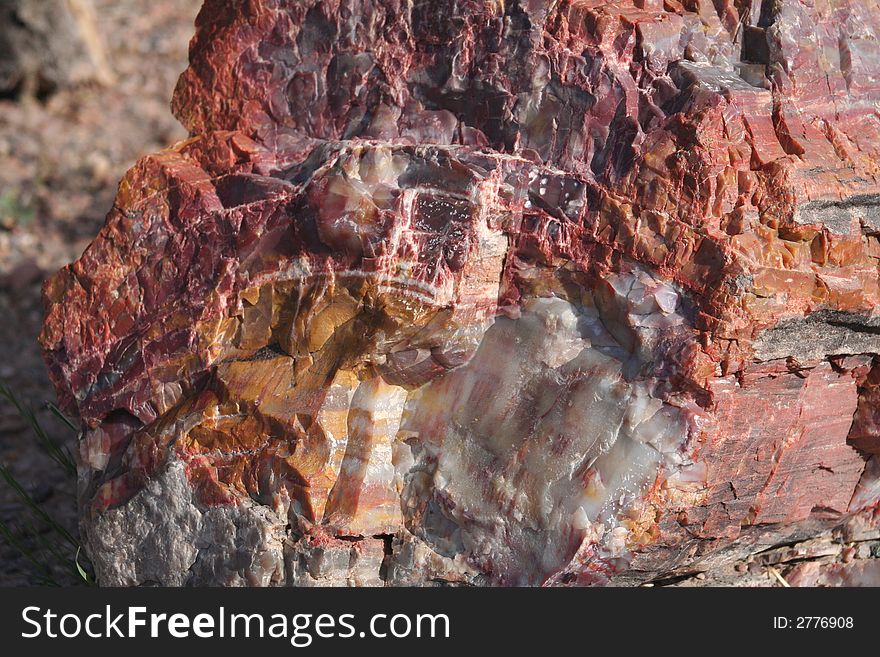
487	293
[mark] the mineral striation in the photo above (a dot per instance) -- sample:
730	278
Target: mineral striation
496	292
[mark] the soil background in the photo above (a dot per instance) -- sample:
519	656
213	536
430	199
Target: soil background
61	158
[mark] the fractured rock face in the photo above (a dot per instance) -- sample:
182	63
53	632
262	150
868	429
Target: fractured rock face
492	293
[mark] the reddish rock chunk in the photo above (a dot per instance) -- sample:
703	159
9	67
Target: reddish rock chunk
563	293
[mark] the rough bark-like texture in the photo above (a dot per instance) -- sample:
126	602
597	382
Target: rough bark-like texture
482	292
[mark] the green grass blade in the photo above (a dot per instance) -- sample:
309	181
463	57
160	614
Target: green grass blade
41	526
57	453
35	507
61	416
82	573
44	573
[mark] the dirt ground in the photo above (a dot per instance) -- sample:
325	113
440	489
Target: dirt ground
60	162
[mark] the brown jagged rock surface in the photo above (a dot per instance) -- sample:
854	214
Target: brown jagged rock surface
485	292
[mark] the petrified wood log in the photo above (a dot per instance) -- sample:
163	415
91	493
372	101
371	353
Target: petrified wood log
486	292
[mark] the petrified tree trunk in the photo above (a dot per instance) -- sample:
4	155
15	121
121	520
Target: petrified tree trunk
49	44
485	292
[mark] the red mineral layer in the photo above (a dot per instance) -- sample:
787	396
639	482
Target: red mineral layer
486	292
